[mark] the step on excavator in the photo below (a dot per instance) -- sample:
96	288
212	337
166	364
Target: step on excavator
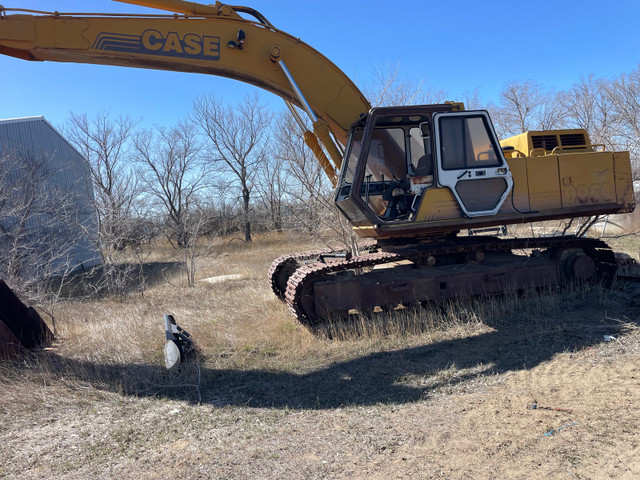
411	179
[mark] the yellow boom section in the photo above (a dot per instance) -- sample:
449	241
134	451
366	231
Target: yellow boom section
178	6
215	40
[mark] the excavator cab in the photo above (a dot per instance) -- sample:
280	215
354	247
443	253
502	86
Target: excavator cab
397	154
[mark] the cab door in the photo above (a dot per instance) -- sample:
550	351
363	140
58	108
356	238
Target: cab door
470	162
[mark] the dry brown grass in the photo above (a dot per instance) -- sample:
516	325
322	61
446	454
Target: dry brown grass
441	392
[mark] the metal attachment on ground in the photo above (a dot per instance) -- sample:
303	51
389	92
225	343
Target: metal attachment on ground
21	327
179	343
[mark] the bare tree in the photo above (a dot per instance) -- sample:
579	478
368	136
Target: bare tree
237	142
309	189
175	174
197	224
271	188
224	212
388	89
472	100
527	106
625	96
608	109
105	143
550	113
589	105
519	100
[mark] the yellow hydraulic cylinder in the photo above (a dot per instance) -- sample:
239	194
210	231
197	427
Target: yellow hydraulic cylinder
177	6
312	142
322	131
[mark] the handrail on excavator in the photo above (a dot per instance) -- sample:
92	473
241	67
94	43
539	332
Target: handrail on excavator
576	147
198	9
180	6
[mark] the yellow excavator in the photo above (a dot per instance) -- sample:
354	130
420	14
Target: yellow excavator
410	178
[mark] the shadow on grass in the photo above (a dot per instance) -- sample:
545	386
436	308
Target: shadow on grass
124	278
513	343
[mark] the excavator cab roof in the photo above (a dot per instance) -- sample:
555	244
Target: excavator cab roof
406	114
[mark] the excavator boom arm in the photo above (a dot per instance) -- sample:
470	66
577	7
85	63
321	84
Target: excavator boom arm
207	39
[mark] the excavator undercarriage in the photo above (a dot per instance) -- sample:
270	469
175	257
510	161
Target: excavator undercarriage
321	286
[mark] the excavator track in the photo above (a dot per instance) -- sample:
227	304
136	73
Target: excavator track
299	303
283	267
318	291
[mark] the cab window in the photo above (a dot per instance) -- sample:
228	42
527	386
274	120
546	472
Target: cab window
465	143
351	159
386	157
420	148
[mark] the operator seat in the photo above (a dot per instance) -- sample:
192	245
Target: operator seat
424	166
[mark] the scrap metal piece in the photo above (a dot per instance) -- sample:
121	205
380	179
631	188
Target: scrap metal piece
179	344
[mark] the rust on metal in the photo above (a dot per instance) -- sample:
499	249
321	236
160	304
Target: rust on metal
450	268
283	267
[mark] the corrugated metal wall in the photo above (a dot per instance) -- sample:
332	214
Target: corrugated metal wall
63	178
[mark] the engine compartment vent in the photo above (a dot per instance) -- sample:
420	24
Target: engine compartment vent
572	139
547	142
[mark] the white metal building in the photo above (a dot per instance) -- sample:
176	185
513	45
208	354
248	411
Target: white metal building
46	197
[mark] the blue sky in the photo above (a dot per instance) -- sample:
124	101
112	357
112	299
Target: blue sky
455	45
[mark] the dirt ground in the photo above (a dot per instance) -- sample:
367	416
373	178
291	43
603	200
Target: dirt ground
545	389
